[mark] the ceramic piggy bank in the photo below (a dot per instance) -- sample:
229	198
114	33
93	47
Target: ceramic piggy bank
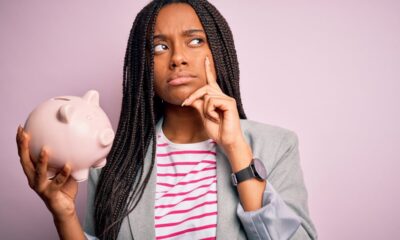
74	130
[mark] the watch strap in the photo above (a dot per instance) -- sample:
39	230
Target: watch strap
243	175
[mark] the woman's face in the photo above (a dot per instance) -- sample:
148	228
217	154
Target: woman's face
180	49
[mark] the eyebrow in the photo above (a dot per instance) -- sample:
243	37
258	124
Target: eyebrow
184	33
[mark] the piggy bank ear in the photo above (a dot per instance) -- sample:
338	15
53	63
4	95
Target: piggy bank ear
92	96
65	113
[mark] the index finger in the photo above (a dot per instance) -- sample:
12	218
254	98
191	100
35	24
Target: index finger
23	152
209	75
22	141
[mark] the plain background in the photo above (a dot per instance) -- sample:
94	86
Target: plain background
329	70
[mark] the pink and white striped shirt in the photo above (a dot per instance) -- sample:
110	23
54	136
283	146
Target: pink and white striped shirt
186	189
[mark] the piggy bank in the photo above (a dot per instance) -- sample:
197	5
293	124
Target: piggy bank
75	130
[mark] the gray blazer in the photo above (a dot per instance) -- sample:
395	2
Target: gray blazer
284	214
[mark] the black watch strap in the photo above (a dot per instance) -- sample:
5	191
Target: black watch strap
256	170
243	175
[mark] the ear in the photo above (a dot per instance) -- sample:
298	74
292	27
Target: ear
65	113
92	96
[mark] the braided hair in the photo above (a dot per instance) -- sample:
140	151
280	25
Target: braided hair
122	181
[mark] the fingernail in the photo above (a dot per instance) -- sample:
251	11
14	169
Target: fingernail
43	152
183	104
20	129
65	169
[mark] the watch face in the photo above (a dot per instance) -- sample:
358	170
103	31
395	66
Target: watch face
260	169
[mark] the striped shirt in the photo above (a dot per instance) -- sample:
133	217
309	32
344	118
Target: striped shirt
186	189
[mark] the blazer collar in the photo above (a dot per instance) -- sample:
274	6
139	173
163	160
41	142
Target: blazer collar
141	219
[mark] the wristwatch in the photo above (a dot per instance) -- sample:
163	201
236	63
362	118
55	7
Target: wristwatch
256	170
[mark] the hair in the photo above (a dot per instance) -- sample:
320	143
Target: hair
122	181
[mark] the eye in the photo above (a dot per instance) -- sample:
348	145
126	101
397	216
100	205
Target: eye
197	41
90	116
159	47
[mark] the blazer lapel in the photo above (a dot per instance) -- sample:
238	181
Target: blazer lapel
227	199
141	220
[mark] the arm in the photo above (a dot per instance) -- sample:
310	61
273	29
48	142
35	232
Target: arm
282	212
222	123
69	227
250	191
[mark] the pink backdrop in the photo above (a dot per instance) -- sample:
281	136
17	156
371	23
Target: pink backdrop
327	70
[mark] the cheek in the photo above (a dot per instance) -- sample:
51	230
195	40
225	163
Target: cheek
202	70
159	74
157	81
157	70
157	87
213	70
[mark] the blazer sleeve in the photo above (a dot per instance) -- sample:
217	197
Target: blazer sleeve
284	213
88	226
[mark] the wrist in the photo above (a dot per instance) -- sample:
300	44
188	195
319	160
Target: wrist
68	226
64	217
236	146
239	155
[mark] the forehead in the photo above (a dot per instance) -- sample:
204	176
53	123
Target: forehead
176	17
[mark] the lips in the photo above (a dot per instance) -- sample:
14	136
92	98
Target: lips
180	78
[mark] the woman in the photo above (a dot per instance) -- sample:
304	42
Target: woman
181	137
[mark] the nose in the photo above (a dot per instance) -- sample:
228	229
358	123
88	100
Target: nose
178	58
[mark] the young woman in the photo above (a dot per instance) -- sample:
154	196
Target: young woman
185	163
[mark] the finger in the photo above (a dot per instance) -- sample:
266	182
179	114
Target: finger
209	109
25	159
17	137
41	171
198	105
218	105
69	187
199	93
61	178
211	80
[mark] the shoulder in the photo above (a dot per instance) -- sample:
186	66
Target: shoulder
267	132
268	142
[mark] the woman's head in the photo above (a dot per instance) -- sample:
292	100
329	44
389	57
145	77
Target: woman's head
150	61
170	19
180	48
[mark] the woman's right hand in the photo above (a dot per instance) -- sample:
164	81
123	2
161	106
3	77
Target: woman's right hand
58	193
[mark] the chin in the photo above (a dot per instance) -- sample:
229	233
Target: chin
179	95
175	100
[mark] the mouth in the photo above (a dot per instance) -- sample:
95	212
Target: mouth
180	78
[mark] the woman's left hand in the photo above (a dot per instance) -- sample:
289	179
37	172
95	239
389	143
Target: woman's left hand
218	112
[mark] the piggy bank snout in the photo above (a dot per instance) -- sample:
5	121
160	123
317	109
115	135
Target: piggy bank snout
106	137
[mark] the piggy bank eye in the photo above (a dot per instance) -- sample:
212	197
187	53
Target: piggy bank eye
90	116
62	99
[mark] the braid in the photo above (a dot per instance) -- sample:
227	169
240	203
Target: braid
122	181
125	167
223	49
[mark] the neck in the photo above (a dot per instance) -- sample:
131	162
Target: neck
183	124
